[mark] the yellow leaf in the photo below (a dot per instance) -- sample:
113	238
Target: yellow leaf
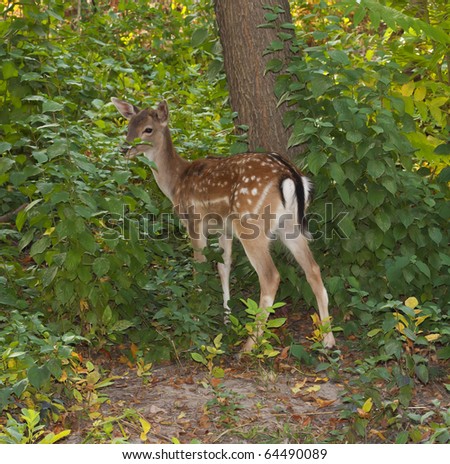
298	386
146	426
432	337
324	403
367	406
420	93
315	319
84	305
369	55
411	302
420	319
408	89
313	389
378	434
400	327
181	415
49	231
401	318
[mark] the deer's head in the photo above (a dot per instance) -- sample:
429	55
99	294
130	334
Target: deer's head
147	129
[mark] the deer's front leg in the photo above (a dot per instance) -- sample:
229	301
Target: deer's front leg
198	244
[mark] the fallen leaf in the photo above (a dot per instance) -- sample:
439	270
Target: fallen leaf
156	410
284	353
378	434
313	389
298	386
204	422
324	403
215	382
134	349
363	414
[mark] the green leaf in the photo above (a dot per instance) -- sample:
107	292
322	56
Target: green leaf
337	173
50	106
198	37
354	136
316	161
435	235
443	149
199	358
49	275
9	70
101	266
339	56
402	438
5	146
383	221
38	376
443	353
274	323
376	195
121	177
422	373
40	246
269	17
55	367
423	268
374	239
238	147
107	315
274	65
375	168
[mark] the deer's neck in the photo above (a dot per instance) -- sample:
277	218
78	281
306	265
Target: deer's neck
169	166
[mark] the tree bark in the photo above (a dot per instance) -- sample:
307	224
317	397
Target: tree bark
251	92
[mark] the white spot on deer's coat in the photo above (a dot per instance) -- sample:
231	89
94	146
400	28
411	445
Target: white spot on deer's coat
254	192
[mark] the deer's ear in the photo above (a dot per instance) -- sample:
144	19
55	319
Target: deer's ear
127	110
163	112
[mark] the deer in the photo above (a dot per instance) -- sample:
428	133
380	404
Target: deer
255	197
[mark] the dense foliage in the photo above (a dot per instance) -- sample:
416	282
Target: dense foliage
89	249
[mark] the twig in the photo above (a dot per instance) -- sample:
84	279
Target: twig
231	430
6	217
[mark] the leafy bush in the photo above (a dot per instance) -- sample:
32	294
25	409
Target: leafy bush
82	240
381	223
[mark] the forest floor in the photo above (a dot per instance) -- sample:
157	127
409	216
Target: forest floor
253	403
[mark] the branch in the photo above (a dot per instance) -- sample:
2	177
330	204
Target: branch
6	217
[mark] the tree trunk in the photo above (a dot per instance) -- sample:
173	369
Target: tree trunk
251	92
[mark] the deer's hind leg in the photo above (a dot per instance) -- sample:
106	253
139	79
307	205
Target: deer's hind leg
298	246
226	243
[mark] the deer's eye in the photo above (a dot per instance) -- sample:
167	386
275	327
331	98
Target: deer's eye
148	130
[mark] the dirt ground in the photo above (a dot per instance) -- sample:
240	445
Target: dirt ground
251	404
180	402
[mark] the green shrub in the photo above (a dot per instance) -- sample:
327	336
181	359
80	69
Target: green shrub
381	224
